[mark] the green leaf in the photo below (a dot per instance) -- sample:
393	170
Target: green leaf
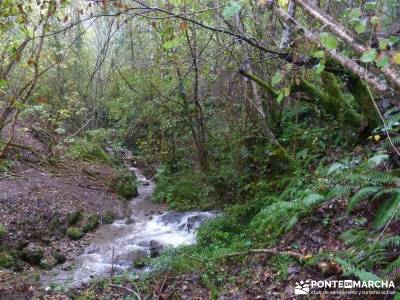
276	78
231	9
355	13
393	40
383	44
319	68
319	54
280	97
328	40
370	6
375	20
368	56
3	83
171	43
360	26
383	61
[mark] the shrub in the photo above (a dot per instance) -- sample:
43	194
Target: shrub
6	260
108	217
91	223
84	148
74	217
126	185
74	233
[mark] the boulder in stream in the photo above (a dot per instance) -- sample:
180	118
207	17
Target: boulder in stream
155	248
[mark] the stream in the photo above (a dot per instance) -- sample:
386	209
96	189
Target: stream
144	233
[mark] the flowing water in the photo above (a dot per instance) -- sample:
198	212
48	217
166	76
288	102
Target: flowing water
116	246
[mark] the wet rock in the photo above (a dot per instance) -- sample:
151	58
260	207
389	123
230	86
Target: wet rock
146	183
32	253
133	256
171	217
129	221
191	223
155	248
74	233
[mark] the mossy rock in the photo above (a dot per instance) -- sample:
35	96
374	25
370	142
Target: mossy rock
32	253
75	217
6	260
58	256
48	263
74	233
108	217
141	262
91	223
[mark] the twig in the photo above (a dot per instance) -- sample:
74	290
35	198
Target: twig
162	287
126	289
265	251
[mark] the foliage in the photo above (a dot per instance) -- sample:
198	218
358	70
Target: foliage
74	233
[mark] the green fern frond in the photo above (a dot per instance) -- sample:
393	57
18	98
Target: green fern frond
362	195
393	266
395	140
392	242
350	269
340	191
372	178
312	199
389	210
386	191
355	237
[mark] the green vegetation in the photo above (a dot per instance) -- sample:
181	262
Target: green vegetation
108	217
283	116
6	260
90	223
74	233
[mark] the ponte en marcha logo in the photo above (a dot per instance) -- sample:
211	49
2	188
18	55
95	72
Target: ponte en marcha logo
358	287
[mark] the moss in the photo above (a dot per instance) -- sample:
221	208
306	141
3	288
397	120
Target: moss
361	95
141	262
74	233
6	260
108	217
91	223
263	84
331	99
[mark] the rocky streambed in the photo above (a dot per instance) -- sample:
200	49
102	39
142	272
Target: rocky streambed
128	243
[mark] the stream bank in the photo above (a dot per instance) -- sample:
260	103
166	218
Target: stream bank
128	243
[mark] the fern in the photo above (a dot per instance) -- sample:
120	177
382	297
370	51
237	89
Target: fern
395	140
388	211
362	195
392	241
393	266
350	269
